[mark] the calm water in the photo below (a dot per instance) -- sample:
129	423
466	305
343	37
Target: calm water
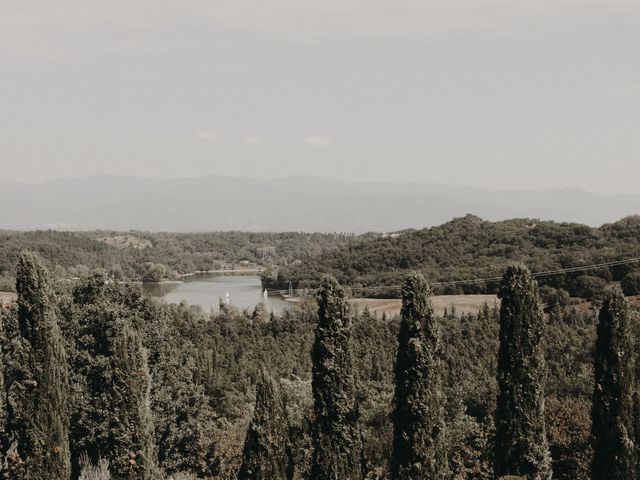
206	290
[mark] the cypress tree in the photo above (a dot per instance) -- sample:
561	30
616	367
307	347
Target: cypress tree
264	456
206	366
184	420
613	395
134	455
521	446
37	382
419	449
112	418
336	435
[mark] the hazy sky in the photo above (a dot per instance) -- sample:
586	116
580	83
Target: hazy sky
532	93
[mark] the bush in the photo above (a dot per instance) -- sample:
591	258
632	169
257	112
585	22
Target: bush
631	284
552	296
154	272
569	432
589	287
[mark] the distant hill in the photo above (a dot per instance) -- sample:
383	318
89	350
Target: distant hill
289	204
471	248
147	255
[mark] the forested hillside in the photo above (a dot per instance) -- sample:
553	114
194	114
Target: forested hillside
142	255
469	248
139	389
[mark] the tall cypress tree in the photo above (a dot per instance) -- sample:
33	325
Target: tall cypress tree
112	418
184	420
613	395
37	383
336	434
264	456
134	456
521	446
419	449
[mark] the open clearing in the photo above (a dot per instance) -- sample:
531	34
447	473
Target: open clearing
126	241
462	303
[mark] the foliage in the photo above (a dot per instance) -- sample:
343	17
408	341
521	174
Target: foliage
199	372
554	297
613	395
36	381
336	435
76	254
568	429
112	417
264	456
589	287
467	248
153	272
521	446
631	284
419	429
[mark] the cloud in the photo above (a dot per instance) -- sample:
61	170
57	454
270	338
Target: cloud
207	135
317	141
251	140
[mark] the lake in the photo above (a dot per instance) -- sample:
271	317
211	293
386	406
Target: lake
206	290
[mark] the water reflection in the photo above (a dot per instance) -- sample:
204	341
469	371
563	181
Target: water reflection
208	290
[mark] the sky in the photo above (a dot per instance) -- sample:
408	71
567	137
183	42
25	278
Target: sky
490	93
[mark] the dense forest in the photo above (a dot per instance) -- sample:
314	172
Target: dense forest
153	256
98	381
471	248
370	265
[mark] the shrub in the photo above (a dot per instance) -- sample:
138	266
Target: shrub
631	284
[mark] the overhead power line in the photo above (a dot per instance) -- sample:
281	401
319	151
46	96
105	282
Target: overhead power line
549	273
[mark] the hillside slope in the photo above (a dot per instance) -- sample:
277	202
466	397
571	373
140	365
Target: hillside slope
132	255
470	248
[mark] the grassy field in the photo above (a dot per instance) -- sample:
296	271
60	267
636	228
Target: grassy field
462	303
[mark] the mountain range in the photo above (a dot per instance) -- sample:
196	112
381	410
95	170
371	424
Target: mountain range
303	203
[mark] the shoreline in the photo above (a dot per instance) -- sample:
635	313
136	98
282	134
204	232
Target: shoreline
235	271
228	270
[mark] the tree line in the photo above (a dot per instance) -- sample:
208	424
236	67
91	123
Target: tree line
98	382
153	256
472	248
521	449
